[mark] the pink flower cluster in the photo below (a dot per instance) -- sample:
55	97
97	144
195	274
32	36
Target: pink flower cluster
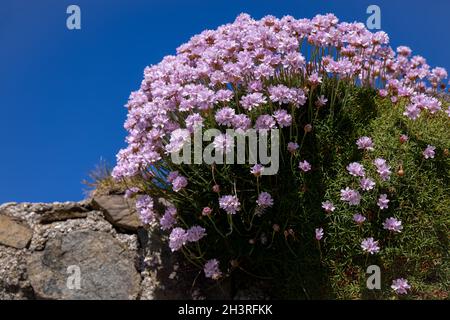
248	55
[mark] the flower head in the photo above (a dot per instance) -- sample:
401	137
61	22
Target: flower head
177	239
359	218
356	169
292	146
319	234
212	270
195	233
304	166
264	200
370	246
429	152
400	286
383	201
257	170
352	197
393	225
230	204
366	184
365	143
328	206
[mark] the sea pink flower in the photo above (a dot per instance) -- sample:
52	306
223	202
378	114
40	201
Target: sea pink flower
352	197
225	116
265	121
359	218
393	224
264	200
179	183
252	100
177	239
195	233
356	169
212	270
292	146
319	234
321	101
365	143
383	201
283	118
206	211
304	166
400	286
429	152
223	143
366	184
404	138
370	246
328	206
144	206
382	168
257	170
230	204
168	219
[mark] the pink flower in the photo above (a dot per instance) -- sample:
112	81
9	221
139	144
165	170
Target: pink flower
179	183
429	152
400	286
370	246
195	233
206	211
252	100
351	196
168	219
223	143
359	218
144	206
319	234
304	166
194	121
392	224
321	101
264	200
328	206
212	270
382	168
257	170
292	146
283	118
383	201
265	121
314	79
225	116
365	143
356	169
177	239
366	184
404	138
230	204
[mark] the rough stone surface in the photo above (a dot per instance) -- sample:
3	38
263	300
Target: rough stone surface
64	211
118	211
106	267
115	263
14	233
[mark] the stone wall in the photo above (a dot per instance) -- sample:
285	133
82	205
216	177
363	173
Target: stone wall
93	249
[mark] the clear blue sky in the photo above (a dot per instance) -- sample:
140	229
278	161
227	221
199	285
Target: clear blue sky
62	92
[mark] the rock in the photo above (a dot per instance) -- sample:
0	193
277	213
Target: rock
106	268
14	233
120	212
63	211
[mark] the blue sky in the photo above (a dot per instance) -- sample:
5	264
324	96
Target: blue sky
62	92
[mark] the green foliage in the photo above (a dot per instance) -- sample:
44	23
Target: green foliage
279	243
